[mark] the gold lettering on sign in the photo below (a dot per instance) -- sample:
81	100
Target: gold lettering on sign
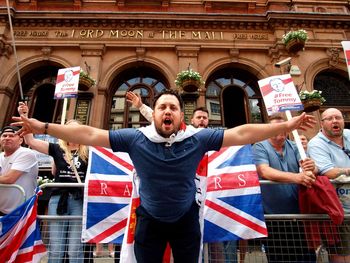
38	33
126	33
142	34
82	110
20	33
251	36
59	33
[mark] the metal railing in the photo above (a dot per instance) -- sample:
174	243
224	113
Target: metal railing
18	187
249	251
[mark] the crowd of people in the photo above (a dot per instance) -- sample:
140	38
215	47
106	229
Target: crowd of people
168	212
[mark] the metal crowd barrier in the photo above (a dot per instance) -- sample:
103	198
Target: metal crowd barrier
18	187
247	251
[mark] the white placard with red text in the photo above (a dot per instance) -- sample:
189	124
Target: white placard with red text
67	83
280	94
346	47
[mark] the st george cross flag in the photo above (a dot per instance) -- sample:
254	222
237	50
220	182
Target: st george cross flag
107	196
346	47
280	94
20	238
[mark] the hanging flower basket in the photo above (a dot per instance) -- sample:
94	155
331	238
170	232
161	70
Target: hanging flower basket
85	81
312	101
312	105
189	80
295	40
295	45
191	85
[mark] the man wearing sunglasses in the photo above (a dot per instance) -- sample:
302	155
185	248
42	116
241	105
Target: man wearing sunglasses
330	149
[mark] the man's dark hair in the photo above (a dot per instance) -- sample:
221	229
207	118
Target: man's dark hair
200	109
169	92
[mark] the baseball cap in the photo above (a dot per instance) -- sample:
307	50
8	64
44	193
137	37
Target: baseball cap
12	129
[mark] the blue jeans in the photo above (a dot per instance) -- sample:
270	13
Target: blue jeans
66	233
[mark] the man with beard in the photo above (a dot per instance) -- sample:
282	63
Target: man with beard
200	116
218	252
330	149
165	158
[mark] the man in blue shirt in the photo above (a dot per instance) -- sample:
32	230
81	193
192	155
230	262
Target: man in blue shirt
166	155
277	159
330	149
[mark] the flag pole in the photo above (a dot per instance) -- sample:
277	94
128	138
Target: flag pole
14	50
64	111
297	138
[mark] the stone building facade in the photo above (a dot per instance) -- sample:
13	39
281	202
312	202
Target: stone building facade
142	45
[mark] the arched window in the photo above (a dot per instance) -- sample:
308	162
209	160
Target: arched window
143	81
38	90
233	98
335	87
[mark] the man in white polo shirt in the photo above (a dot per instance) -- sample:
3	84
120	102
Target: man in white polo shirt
18	165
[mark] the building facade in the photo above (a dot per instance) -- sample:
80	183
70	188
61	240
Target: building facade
143	45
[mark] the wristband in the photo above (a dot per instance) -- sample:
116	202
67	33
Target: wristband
46	127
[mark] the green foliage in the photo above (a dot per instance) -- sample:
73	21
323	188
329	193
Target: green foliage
300	34
41	180
85	75
308	95
188	75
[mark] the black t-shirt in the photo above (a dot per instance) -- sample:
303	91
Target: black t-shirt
64	172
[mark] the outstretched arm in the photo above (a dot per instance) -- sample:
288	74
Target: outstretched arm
136	101
81	134
251	133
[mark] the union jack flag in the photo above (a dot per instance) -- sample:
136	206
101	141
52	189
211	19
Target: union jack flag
107	196
232	210
20	238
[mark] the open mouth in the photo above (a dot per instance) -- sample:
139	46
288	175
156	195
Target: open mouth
336	128
167	122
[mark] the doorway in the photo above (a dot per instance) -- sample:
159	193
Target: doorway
233	104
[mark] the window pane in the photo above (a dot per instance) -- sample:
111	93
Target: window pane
149	81
213	90
255	113
224	81
134	81
213	106
159	87
335	89
122	90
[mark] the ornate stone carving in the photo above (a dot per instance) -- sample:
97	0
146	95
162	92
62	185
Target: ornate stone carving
5	49
333	54
46	52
